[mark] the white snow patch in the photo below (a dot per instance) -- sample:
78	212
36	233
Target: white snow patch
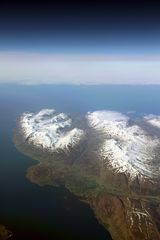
153	120
124	148
102	118
50	130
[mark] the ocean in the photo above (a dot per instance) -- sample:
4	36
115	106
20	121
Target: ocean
33	212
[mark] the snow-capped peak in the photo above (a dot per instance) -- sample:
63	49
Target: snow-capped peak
125	148
50	130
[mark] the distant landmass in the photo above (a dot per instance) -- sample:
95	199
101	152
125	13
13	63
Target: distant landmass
107	159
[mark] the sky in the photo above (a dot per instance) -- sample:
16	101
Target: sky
81	42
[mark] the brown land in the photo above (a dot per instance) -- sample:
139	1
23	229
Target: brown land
128	209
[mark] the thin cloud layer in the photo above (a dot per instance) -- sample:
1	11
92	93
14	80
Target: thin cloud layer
25	68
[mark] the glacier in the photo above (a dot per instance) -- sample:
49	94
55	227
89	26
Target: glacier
50	130
125	148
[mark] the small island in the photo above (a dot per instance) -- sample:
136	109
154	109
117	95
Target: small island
105	159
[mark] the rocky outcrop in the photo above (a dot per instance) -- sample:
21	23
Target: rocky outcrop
126	218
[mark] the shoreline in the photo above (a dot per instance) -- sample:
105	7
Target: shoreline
113	210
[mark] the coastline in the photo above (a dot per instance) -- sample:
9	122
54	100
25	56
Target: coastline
107	203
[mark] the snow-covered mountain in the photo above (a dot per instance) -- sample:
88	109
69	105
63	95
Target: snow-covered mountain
126	148
50	130
111	161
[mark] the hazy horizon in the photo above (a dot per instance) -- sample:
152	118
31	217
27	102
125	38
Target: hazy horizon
80	43
87	69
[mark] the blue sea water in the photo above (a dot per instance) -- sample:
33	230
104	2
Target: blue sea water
33	212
